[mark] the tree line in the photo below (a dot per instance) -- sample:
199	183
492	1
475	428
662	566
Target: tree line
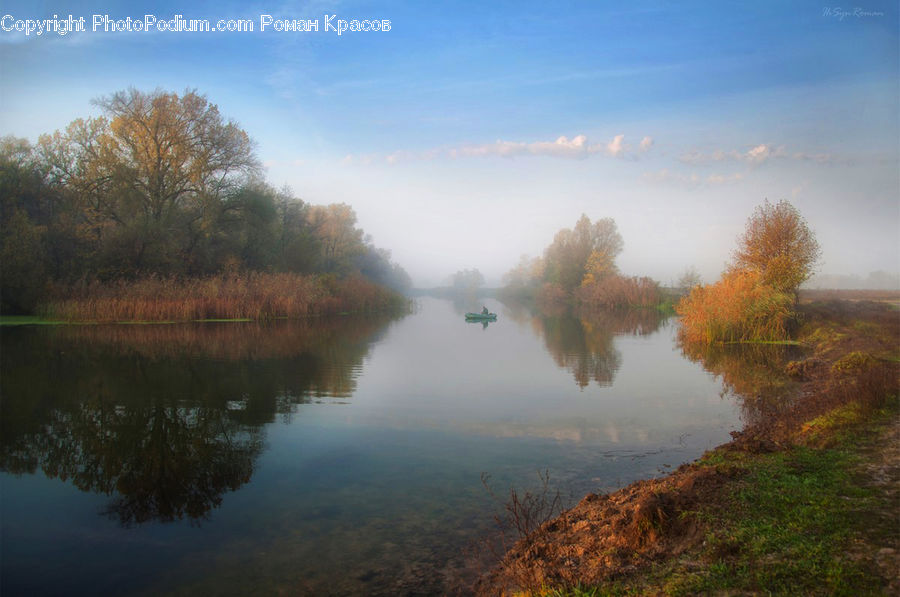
754	299
161	184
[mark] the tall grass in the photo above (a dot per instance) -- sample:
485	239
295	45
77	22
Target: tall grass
614	292
254	295
737	308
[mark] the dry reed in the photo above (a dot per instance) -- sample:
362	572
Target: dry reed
615	292
737	308
256	296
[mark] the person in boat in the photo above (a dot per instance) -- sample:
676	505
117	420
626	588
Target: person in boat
484	310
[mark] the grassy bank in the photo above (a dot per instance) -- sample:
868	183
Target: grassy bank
251	296
803	501
802	521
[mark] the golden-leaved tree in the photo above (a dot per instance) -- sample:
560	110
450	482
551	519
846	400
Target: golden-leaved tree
152	173
778	245
754	300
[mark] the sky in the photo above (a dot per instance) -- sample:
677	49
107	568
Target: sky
468	133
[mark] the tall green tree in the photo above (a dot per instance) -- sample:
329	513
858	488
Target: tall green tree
23	229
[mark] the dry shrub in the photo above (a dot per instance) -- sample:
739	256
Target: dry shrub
254	295
613	292
607	536
860	378
551	296
526	512
737	308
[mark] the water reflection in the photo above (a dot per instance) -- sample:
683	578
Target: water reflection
324	463
164	418
752	373
583	342
483	322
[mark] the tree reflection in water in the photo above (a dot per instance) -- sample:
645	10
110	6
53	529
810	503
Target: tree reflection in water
754	373
165	419
583	342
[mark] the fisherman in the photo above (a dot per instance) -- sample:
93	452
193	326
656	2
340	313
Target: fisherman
484	310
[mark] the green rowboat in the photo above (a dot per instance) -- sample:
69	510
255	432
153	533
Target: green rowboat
481	316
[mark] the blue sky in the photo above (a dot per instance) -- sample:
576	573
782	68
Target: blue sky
469	133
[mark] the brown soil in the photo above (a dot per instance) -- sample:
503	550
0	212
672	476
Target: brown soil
605	537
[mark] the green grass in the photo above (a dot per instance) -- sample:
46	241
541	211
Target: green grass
784	528
789	521
26	320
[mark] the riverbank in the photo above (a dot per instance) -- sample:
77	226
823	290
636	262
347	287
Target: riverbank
231	297
802	501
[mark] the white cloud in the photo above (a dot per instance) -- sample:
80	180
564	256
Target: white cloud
616	147
578	147
756	155
759	154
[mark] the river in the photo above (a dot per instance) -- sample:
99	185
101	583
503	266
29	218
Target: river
353	455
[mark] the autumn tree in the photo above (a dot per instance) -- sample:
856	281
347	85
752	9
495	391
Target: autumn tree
755	298
340	241
152	174
589	249
160	184
778	245
523	279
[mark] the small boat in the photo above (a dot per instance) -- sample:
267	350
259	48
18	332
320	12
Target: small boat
481	316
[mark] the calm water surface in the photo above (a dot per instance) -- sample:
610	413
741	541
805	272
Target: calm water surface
326	457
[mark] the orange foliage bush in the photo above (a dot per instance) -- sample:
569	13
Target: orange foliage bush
739	307
249	296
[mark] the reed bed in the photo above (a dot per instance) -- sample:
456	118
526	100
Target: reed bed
737	308
255	296
616	292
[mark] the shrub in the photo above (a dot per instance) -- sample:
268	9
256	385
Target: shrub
737	308
615	291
